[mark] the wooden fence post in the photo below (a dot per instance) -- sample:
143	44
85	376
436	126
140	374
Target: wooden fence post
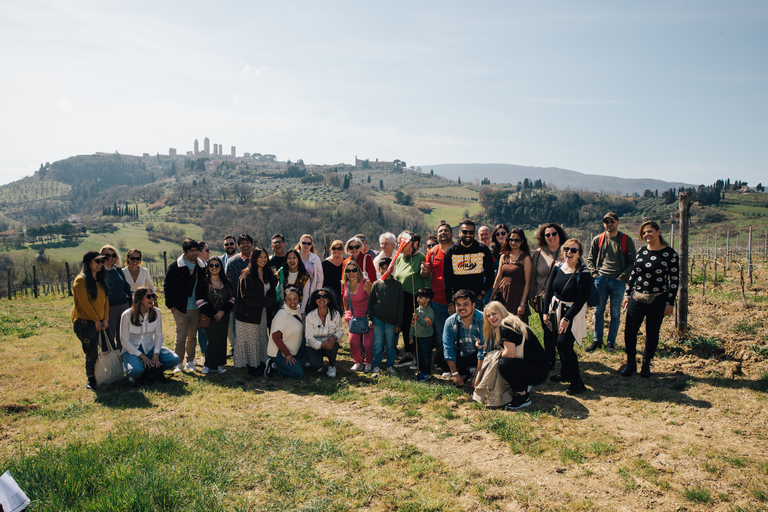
10	285
165	262
34	280
749	257
714	281
682	310
69	279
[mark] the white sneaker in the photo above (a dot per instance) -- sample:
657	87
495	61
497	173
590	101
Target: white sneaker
391	371
446	375
369	368
331	373
376	370
190	367
222	369
179	367
414	365
357	367
205	370
319	370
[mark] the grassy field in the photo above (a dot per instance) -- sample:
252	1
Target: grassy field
127	236
690	438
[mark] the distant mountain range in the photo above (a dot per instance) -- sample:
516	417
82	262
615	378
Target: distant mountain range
561	178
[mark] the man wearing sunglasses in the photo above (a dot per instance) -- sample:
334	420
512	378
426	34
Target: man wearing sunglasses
468	265
611	257
230	249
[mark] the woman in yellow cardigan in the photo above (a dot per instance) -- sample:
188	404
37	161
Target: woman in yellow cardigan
90	312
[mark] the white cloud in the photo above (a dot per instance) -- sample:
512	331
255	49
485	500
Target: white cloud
65	104
249	70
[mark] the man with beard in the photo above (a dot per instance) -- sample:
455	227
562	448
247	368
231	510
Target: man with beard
468	265
484	234
432	270
462	334
230	249
235	265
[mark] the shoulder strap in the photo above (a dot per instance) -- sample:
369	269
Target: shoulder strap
624	244
600	241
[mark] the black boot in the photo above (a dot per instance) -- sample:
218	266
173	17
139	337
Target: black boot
560	377
577	387
645	370
629	368
594	346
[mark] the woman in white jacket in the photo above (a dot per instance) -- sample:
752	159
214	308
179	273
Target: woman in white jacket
141	332
135	274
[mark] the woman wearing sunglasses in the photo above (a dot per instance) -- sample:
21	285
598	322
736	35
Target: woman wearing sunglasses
333	269
136	275
550	238
323	330
312	262
215	299
354	248
499	238
90	311
513	278
120	293
141	329
567	293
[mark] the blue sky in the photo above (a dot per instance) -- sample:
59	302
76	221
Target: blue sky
669	90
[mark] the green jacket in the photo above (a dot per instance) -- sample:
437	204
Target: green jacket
386	302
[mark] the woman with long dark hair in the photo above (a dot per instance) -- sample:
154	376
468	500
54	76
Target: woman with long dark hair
293	273
651	296
254	309
215	299
513	279
550	238
567	293
141	330
120	292
498	241
323	330
90	311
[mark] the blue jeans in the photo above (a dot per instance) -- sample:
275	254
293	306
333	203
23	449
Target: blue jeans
202	338
135	368
613	288
383	334
292	371
424	346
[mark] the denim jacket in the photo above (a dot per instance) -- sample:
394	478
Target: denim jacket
468	337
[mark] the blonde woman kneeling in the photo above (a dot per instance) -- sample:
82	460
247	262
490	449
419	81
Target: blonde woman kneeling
522	362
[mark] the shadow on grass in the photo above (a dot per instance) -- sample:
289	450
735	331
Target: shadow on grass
125	396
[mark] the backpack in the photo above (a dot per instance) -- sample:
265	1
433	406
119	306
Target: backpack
624	239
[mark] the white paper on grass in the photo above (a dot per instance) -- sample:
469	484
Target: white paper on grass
12	498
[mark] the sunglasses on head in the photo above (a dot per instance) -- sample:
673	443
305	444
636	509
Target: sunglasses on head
135	258
214	265
355	247
467	231
550	235
574	250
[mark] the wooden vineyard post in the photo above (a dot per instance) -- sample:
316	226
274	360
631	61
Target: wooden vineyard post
714	280
34	280
749	257
10	285
704	278
69	279
327	247
165	262
682	309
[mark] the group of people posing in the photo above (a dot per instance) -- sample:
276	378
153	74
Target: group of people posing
461	307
